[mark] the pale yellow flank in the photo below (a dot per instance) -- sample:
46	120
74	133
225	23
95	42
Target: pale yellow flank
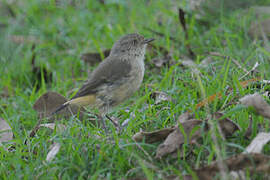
83	101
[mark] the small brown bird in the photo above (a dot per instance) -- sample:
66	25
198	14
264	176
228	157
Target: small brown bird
116	78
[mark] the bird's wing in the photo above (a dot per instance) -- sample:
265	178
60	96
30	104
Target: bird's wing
108	72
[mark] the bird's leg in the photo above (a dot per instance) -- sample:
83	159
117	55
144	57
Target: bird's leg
116	125
102	118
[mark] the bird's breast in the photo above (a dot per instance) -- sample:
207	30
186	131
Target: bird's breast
130	84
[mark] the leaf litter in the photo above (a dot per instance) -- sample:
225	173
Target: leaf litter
49	102
258	103
54	149
173	136
184	131
5	131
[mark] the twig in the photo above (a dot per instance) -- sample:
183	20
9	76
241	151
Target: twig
33	57
249	129
236	62
181	16
141	148
35	129
228	57
116	125
254	67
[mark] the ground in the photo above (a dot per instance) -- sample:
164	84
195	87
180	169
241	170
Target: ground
55	34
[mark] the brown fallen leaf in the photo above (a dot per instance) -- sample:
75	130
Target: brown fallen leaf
249	159
58	127
189	63
254	162
174	137
255	146
185	117
177	138
94	58
258	103
151	137
160	96
228	127
5	131
206	62
49	102
53	152
258	143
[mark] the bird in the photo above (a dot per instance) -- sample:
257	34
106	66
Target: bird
115	79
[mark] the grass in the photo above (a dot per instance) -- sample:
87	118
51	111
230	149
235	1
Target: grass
64	32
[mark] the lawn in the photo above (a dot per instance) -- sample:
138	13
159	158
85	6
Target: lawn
41	48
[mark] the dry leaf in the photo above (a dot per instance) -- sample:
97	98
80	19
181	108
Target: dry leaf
151	137
258	143
259	104
254	162
176	138
5	131
94	58
50	101
188	63
59	127
52	153
185	117
228	127
205	63
160	96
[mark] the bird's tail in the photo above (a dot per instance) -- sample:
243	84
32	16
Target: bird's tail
61	107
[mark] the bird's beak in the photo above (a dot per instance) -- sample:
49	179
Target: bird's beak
146	41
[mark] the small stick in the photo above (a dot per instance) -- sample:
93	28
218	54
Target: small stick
181	16
146	153
228	57
254	67
36	128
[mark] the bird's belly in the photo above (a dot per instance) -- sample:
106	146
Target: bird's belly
119	91
127	88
